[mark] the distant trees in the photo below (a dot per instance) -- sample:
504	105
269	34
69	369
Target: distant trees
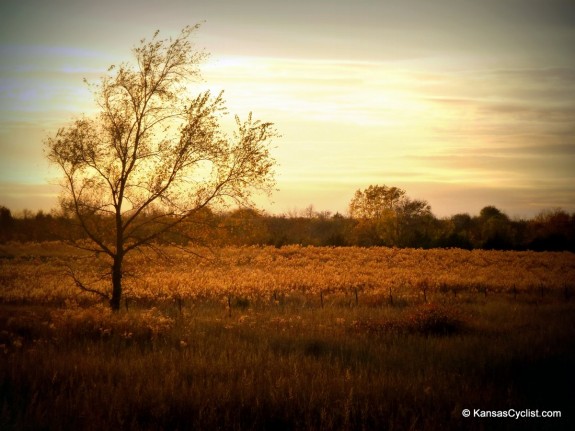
456	231
387	216
496	229
28	226
551	230
6	224
154	158
375	202
318	229
243	226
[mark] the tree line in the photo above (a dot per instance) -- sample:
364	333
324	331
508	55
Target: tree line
491	229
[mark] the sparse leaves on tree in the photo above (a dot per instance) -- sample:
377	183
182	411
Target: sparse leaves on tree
153	156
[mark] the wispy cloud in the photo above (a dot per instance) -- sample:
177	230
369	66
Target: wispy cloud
457	99
33	196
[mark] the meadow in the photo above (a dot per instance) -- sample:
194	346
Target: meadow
250	338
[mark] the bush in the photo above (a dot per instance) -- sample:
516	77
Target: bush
427	319
432	319
100	322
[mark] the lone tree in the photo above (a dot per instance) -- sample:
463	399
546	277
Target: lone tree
153	156
387	216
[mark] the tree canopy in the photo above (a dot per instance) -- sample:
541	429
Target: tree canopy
388	216
154	156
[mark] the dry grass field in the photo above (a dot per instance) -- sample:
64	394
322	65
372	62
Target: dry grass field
290	338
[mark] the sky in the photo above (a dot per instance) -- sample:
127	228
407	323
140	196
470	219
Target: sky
463	103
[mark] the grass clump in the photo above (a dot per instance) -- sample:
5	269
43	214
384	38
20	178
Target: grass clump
99	322
434	319
426	319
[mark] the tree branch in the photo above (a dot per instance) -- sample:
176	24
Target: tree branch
83	287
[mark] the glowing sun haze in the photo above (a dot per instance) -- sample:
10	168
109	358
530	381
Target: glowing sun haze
462	103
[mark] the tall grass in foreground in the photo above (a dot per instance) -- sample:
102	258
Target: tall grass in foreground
287	366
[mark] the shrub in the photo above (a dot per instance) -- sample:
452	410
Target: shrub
100	322
427	319
432	319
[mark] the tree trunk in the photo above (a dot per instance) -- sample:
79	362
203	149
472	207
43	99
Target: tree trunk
116	283
118	258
